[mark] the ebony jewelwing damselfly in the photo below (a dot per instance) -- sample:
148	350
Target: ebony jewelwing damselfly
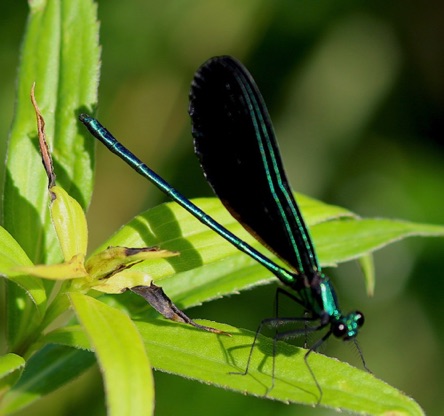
235	143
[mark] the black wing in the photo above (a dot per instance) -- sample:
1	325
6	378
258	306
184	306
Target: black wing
238	152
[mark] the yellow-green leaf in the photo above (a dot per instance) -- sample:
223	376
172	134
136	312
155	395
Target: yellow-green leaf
69	222
60	53
121	354
72	269
119	282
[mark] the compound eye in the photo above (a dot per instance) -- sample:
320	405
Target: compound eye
339	330
359	319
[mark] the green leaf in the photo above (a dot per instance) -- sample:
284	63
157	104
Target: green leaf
70	224
68	270
121	354
344	240
46	371
11	366
60	53
209	267
12	257
210	359
27	296
11	254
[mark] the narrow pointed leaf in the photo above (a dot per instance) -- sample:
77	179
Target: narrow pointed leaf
72	269
70	223
12	257
11	366
121	354
11	254
344	240
60	53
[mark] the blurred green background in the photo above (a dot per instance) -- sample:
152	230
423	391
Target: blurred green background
356	92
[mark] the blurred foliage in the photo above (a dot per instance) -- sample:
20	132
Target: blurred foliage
357	95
